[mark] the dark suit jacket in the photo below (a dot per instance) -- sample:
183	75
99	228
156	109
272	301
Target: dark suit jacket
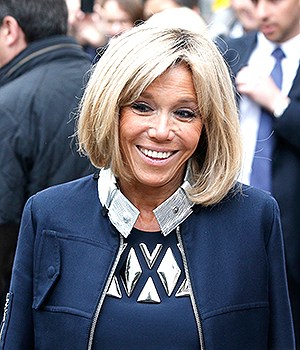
285	165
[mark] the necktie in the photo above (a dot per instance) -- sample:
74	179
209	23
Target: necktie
262	162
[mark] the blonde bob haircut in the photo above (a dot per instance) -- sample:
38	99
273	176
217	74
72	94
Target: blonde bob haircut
131	62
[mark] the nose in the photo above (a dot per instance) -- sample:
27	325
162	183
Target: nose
162	128
261	9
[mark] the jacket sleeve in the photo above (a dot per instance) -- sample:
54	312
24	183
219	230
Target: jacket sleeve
8	241
288	125
14	163
17	324
281	335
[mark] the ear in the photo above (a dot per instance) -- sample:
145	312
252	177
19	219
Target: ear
11	33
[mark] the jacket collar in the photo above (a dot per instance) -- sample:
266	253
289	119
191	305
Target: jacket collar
123	214
39	52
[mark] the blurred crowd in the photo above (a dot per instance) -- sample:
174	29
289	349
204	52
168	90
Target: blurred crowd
92	23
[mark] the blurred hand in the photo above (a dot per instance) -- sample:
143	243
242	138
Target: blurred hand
261	89
88	29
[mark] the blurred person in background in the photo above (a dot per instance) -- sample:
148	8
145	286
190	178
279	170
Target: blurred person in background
232	19
120	15
266	70
245	19
86	24
94	25
41	78
154	6
188	19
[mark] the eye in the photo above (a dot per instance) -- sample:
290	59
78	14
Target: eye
185	114
141	108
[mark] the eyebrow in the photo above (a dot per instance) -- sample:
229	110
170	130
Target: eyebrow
182	100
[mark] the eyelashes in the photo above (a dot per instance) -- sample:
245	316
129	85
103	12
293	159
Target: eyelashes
183	114
141	108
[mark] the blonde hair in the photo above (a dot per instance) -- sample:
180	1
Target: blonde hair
130	64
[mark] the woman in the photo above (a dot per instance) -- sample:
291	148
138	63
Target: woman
119	15
162	249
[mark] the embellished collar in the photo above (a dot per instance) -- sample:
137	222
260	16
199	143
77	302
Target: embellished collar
123	214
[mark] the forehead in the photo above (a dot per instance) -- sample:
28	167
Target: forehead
176	80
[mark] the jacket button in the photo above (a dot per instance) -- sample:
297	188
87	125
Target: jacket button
51	271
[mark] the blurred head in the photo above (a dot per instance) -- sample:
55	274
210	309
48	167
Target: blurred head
278	20
244	11
182	17
120	15
154	6
131	63
25	21
38	19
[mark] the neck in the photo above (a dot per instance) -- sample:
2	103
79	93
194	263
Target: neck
146	200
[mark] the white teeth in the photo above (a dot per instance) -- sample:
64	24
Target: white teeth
155	154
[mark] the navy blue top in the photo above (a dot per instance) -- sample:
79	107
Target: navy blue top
125	322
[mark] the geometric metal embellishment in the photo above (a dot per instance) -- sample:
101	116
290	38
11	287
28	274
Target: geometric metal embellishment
114	289
149	293
150	257
184	290
131	272
169	271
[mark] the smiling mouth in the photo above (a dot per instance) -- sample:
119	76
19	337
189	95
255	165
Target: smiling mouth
154	154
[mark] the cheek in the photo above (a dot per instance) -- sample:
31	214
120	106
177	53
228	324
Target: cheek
129	129
126	121
123	129
193	135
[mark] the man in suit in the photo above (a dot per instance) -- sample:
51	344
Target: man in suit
251	61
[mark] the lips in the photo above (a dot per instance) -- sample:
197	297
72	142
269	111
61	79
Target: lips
155	154
267	29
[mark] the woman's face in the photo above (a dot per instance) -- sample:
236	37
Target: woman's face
116	19
160	131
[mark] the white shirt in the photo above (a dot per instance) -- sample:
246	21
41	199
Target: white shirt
263	62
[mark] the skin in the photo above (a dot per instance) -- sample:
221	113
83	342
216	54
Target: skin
154	6
164	119
245	13
279	21
12	40
117	20
87	28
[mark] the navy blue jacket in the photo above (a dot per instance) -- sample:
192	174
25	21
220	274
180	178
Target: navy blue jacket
67	247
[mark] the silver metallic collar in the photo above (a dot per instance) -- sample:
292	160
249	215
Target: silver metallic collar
123	214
